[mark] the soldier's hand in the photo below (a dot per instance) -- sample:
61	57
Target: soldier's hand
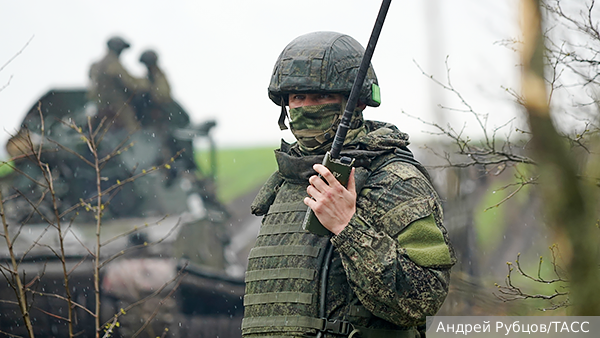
333	204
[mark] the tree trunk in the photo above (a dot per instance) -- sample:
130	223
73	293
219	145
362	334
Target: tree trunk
569	204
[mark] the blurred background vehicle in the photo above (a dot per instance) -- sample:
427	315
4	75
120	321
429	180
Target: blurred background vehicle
164	233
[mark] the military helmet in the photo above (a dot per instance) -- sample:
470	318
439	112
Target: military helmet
117	44
321	62
149	58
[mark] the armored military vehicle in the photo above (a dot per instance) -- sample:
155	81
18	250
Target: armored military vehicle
164	266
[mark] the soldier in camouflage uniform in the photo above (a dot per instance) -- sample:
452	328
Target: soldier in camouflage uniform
160	90
386	265
113	89
161	115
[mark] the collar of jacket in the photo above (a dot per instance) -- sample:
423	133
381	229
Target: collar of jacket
381	138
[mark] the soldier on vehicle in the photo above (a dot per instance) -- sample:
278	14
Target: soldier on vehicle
391	258
161	113
160	90
159	94
113	89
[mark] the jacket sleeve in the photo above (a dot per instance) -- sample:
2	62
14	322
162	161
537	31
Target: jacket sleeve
395	250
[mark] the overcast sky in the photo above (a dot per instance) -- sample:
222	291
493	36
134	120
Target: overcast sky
218	55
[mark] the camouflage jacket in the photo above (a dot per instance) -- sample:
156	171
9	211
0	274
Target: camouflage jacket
390	265
111	84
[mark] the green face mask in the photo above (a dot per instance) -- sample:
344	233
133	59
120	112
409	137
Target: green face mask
314	126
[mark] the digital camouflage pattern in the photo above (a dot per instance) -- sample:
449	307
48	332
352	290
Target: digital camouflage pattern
314	126
390	266
324	62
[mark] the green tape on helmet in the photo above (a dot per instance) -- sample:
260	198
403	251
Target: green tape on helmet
375	93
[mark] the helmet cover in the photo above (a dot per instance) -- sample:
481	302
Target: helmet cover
321	62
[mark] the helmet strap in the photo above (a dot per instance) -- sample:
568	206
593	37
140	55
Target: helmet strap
282	115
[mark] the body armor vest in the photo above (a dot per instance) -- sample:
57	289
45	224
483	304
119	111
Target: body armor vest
284	271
